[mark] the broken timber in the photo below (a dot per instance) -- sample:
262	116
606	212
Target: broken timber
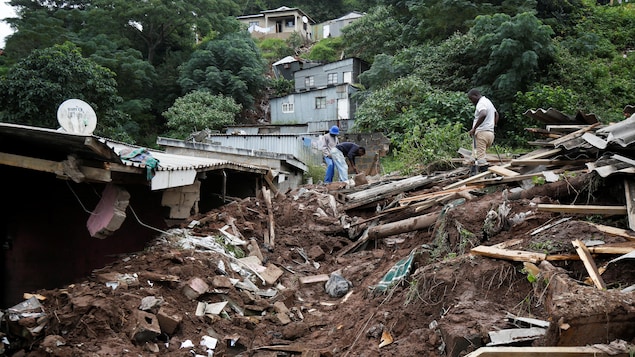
378	193
515	255
589	264
271	225
586	351
583	209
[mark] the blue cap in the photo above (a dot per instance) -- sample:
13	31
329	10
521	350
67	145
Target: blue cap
334	130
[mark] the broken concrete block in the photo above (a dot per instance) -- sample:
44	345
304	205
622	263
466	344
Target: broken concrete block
146	327
110	212
195	288
271	274
220	281
168	319
316	253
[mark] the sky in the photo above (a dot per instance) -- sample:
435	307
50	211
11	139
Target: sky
5	30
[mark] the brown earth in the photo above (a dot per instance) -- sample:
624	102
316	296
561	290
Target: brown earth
446	306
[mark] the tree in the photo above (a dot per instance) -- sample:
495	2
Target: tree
200	110
514	52
407	102
35	87
158	26
377	32
231	66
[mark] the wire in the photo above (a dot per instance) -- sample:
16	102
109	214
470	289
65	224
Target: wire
79	200
145	225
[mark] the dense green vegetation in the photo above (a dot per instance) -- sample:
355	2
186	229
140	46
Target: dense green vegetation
148	66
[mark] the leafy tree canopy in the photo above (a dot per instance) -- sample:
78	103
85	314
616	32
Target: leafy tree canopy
231	66
200	110
406	102
37	85
376	33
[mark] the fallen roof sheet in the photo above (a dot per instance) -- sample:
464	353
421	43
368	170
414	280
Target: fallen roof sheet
555	117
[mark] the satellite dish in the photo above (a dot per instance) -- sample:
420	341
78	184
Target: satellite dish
305	19
77	117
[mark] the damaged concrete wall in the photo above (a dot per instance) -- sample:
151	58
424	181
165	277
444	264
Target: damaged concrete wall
44	238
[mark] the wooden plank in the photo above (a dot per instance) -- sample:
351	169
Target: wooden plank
629	192
565	127
501	171
582	209
55	167
613	248
508	243
574	135
586	351
548	162
314	279
537	154
589	264
269	180
514	255
271	224
614	231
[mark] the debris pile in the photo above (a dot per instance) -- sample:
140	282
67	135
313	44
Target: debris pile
532	255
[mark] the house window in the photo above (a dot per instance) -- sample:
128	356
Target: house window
287	107
320	102
331	78
254	23
309	81
289	22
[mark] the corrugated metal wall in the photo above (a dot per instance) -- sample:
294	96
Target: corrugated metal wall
296	145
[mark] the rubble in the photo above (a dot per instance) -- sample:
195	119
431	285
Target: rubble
531	256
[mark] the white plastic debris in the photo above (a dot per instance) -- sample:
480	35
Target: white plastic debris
187	344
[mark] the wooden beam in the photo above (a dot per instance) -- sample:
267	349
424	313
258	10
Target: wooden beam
31	163
586	351
589	264
501	171
271	240
573	135
620	232
582	209
314	279
548	162
514	255
538	154
55	167
629	192
613	248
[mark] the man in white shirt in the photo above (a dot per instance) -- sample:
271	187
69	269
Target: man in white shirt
485	119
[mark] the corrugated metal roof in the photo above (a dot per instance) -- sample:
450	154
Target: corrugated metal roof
173	162
622	133
555	117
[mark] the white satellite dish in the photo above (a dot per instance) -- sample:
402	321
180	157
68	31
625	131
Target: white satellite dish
305	19
77	117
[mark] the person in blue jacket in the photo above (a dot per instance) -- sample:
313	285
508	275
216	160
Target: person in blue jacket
343	151
328	143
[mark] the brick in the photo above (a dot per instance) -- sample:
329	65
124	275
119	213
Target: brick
195	288
168	319
146	327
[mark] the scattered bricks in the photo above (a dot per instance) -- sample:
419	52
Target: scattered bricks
271	274
195	288
282	312
146	327
169	320
221	282
316	253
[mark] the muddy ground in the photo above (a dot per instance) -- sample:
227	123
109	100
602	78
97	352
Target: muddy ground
446	305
